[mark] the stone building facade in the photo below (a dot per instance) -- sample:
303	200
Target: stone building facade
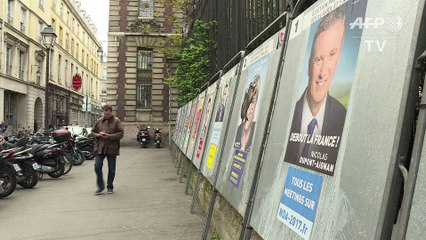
23	61
137	64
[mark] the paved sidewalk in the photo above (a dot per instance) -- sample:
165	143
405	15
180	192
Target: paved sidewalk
148	203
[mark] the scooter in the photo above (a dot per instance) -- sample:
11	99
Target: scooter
87	146
143	136
157	137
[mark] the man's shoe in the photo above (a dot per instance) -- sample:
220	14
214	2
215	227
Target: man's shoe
110	191
99	191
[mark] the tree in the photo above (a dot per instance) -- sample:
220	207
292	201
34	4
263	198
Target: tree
193	63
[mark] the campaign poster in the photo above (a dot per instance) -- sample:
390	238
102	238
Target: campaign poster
224	99
188	126
248	114
299	201
330	62
178	127
205	122
194	132
184	124
182	118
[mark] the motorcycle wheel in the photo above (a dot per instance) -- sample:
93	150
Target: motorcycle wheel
78	158
9	182
91	156
67	164
31	177
157	145
143	145
60	169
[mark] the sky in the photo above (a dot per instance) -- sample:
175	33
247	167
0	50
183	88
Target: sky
98	12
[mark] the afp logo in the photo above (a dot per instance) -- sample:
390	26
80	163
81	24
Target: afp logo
392	22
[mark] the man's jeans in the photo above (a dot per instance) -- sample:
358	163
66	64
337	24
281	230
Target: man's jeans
111	170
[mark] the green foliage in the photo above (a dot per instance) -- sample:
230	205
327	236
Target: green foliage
193	68
183	5
216	237
171	45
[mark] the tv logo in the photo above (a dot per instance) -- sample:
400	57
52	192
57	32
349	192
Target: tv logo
392	22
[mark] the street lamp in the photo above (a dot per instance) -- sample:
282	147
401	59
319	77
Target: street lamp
49	38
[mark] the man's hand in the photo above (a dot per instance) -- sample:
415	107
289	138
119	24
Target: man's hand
104	135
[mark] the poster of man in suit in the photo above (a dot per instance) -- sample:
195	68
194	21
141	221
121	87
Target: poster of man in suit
320	112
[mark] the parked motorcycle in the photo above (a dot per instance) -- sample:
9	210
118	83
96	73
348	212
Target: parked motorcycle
23	166
8	180
52	158
7	177
157	137
74	154
143	136
87	146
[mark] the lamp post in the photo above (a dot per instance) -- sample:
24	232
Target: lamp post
49	38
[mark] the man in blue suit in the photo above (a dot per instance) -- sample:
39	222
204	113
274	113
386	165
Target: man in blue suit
317	112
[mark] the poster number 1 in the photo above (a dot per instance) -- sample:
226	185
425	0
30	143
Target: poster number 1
296	26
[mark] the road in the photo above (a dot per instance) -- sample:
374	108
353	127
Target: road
148	203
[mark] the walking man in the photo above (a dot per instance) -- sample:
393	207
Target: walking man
107	132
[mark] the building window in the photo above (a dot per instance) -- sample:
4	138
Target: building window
68	18
54	25
51	65
41	3
72	46
88	87
61	10
66	74
60	36
146	8
59	69
23	19
54	5
67	41
104	88
10	11
144	78
76	51
21	64
40	28
10	103
72	70
38	70
9	59
92	94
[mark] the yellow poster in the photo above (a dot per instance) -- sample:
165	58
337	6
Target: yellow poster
210	157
